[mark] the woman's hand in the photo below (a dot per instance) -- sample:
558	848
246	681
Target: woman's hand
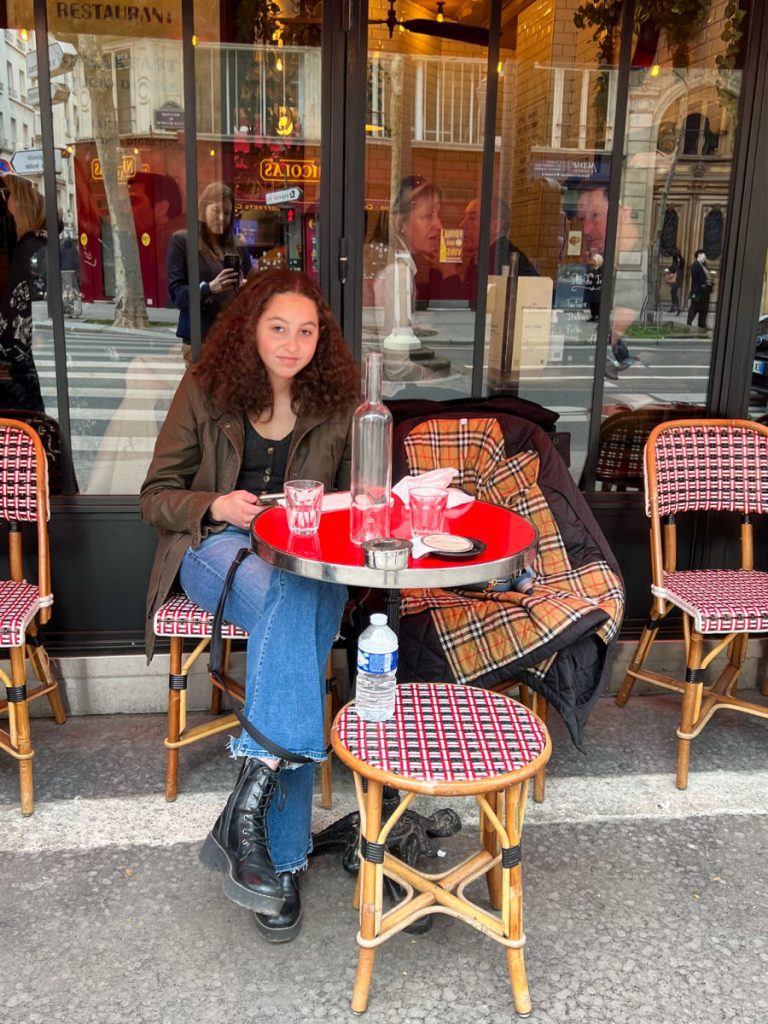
224	281
236	508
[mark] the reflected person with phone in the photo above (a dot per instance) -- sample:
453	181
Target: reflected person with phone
223	264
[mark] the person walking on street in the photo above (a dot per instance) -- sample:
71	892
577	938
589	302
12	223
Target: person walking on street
673	276
593	286
701	290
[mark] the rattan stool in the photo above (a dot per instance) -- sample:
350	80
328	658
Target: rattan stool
444	740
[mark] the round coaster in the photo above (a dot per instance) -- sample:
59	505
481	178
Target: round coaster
452	546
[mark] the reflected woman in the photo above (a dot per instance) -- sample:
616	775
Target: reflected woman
223	265
416	230
19	383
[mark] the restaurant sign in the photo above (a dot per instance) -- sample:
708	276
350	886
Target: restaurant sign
289	170
150	20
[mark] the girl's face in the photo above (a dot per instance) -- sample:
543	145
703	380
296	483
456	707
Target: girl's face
287	335
421	230
218	215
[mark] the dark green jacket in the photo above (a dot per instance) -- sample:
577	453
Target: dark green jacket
198	455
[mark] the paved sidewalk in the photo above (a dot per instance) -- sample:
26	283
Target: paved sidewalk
642	904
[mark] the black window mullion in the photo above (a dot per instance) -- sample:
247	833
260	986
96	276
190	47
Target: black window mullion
746	237
53	261
604	325
486	192
190	167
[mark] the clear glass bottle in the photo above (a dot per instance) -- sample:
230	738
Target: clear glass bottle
371	459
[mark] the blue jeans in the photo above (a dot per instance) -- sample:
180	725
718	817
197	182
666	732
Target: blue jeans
292	622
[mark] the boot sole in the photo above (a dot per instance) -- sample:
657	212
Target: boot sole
277	935
216	858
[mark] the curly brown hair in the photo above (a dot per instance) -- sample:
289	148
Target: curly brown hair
231	372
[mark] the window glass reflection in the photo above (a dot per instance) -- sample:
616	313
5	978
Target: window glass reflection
118	122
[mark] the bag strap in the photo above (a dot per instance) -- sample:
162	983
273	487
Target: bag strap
215	669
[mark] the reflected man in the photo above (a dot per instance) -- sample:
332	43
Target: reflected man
501	248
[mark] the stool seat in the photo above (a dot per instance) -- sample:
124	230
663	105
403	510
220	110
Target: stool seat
19	603
445	739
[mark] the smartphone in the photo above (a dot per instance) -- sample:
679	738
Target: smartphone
270	499
231	261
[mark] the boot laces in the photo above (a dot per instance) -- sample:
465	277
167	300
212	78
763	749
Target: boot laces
253	829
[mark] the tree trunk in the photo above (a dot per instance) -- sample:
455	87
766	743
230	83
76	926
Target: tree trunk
653	294
130	308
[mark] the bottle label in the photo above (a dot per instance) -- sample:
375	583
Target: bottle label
376	664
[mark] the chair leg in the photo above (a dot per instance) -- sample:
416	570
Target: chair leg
540	708
38	657
641	653
216	694
18	717
326	768
177	695
691	707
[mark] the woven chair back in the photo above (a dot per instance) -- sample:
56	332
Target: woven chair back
718	465
23	474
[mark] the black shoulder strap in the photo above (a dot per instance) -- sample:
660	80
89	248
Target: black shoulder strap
215	668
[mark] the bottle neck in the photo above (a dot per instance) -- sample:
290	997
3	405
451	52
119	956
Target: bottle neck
373	375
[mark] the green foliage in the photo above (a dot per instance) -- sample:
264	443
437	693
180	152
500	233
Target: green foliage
681	20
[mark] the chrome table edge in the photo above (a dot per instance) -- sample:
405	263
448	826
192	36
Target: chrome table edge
453	574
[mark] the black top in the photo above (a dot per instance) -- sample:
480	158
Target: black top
178	284
264	462
25	284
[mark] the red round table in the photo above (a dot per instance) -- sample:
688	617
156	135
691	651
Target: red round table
329	555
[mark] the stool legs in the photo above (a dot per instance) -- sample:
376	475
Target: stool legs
514	800
490	841
371	880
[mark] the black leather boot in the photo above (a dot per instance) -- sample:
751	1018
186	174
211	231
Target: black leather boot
287	924
237	843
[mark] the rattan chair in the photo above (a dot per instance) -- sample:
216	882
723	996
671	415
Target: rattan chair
704	466
179	619
24	605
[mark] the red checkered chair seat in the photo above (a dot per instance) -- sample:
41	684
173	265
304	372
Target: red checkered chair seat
180	617
19	603
720	600
445	733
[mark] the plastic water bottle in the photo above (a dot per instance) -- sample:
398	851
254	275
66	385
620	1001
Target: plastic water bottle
375	685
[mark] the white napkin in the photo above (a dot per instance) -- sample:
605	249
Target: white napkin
434	478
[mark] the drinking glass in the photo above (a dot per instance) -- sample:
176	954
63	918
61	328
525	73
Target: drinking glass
427	506
303	504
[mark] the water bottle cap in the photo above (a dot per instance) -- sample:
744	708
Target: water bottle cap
377	619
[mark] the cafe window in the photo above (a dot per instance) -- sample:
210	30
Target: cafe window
119	148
